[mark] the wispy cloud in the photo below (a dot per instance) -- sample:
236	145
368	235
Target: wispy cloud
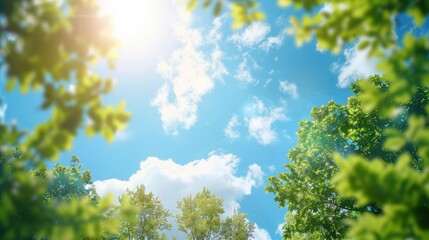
244	73
272	42
189	74
258	120
356	65
289	88
252	35
230	130
260	123
256	36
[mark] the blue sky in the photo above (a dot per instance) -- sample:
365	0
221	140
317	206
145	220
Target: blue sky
210	107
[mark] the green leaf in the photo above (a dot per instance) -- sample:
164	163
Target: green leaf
284	3
10	84
394	143
207	3
218	8
192	4
418	16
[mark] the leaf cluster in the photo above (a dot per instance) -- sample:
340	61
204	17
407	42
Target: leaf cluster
50	46
32	204
200	219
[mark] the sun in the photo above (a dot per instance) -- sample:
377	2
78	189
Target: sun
135	21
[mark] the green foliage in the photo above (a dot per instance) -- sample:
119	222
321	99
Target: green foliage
237	227
398	188
199	218
151	218
49	45
314	207
360	189
31	208
386	120
68	182
200	215
242	11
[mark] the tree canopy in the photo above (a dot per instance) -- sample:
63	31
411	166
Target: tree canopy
151	219
50	46
381	166
39	203
200	218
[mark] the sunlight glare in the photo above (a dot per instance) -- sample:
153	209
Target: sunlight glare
136	21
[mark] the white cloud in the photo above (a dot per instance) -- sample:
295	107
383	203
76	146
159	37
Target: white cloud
172	181
244	74
122	135
217	68
260	123
271	42
279	230
269	80
189	75
289	88
261	234
252	35
356	65
271	168
3	107
230	130
215	35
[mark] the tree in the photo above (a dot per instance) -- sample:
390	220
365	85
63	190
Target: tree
237	227
396	184
199	216
151	219
29	210
68	182
314	207
200	219
49	46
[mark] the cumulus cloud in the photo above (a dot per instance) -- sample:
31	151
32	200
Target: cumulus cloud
189	74
252	35
261	120
356	65
289	88
172	181
230	130
261	234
